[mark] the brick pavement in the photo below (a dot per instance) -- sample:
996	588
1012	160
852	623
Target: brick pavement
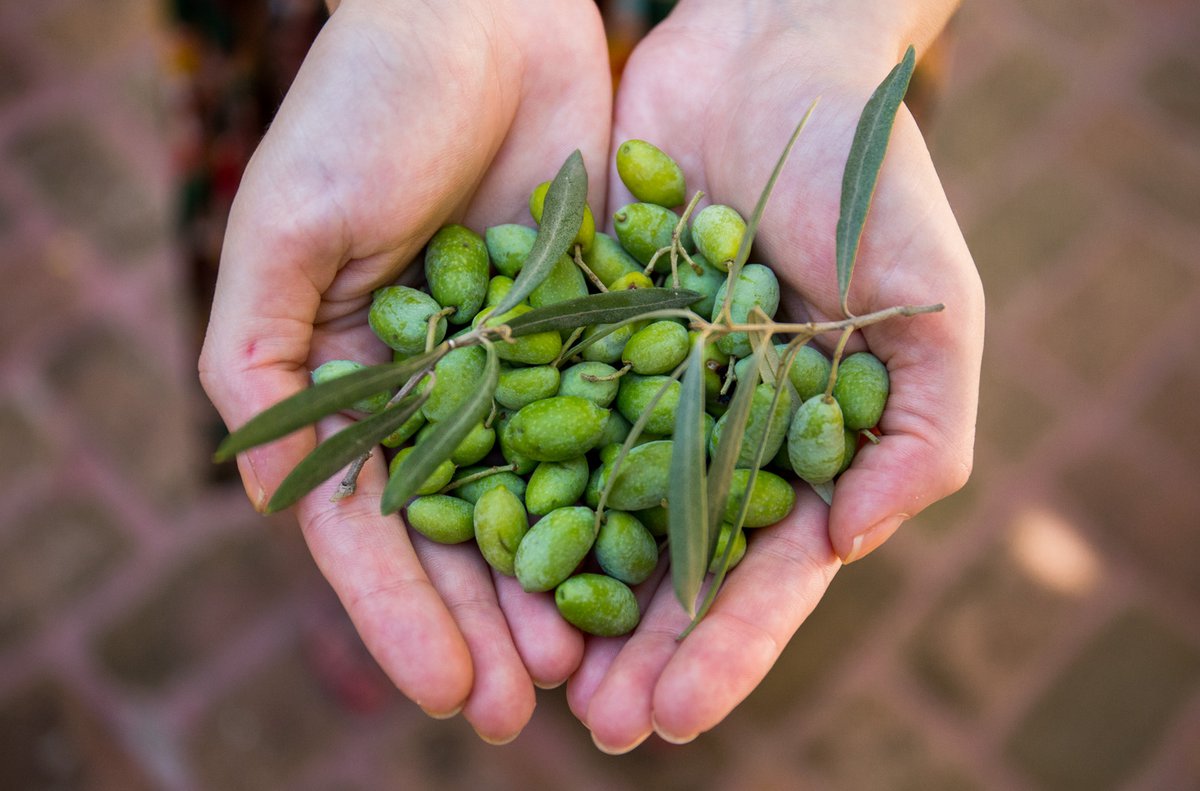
1040	630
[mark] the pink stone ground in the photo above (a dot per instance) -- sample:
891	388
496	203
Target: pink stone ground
1040	630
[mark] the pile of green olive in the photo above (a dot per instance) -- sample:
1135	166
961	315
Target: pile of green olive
526	482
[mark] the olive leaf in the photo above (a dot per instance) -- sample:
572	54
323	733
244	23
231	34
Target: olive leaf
606	308
314	403
687	515
824	491
725	457
443	439
562	214
862	167
735	527
743	253
339	450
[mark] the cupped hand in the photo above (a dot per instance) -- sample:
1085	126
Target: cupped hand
403	117
720	89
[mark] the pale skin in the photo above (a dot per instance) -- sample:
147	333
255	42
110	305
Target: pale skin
387	135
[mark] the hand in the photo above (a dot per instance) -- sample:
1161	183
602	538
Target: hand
721	90
404	116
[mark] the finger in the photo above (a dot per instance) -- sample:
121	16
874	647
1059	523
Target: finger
619	713
785	572
566	104
600	652
374	570
933	360
550	648
502	699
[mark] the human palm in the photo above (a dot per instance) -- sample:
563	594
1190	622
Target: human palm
723	102
404	117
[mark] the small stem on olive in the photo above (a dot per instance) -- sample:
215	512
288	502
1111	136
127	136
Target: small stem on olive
490	471
608	377
597	282
350	481
837	358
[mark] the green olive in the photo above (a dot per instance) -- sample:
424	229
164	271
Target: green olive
553	547
441	518
756	287
508	246
500	524
556	429
597	604
522	385
717	231
456	268
817	440
556	484
400	316
651	175
656	348
625	549
861	389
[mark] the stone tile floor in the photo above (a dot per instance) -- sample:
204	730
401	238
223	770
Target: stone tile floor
1041	630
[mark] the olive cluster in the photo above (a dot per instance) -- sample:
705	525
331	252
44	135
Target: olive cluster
526	482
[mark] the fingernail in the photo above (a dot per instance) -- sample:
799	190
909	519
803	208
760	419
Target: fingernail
870	539
667	736
497	742
254	488
442	715
608	750
548	684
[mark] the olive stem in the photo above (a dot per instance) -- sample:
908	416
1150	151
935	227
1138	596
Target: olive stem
563	355
350	481
431	329
837	358
818	328
675	248
608	377
475	476
596	281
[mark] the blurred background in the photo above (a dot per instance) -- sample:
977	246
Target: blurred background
1040	630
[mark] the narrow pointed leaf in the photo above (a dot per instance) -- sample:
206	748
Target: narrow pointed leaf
863	164
606	308
736	527
443	439
339	450
824	491
312	404
562	214
687	514
720	473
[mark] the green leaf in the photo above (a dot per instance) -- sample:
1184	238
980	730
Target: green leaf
743	253
862	166
339	450
312	404
443	439
737	525
720	473
562	214
824	491
612	306
687	514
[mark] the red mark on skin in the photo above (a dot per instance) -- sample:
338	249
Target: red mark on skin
250	350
